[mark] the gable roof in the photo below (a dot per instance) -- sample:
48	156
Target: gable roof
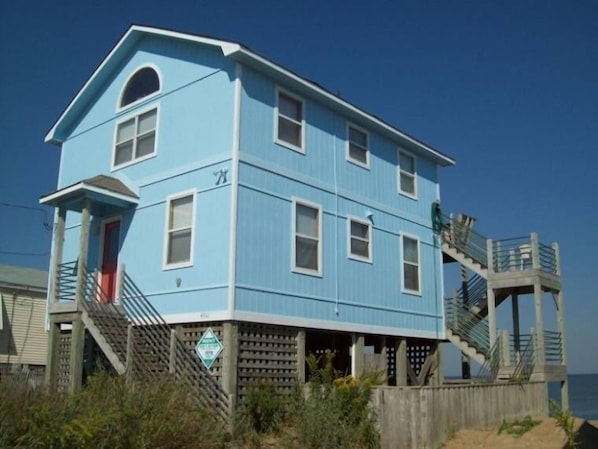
246	56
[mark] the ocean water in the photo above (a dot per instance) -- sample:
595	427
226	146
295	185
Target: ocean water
583	394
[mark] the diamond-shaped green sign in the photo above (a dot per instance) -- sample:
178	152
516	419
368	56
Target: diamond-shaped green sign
208	348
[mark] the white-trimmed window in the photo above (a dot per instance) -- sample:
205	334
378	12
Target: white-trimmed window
411	264
307	238
359	233
407	174
180	213
358	146
290	123
135	138
143	83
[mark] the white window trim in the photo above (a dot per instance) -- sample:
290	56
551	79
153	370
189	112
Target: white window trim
400	171
120	108
288	145
350	255
125	118
367	148
169	199
403	235
294	268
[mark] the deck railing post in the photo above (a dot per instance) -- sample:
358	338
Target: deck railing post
506	350
512	260
83	248
172	358
535	251
129	356
120	279
557	258
57	255
490	251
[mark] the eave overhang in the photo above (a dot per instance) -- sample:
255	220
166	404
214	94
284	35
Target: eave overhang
106	195
245	56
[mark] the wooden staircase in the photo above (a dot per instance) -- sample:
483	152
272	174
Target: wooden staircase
467	311
138	342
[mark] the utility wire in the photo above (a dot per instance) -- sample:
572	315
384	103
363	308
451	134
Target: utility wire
46	221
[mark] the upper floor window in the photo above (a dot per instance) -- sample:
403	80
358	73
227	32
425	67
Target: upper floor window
411	270
360	239
179	230
142	84
135	138
307	241
407	175
290	122
357	146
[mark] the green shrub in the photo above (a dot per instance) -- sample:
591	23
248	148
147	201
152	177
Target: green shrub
107	413
263	407
566	422
518	427
336	413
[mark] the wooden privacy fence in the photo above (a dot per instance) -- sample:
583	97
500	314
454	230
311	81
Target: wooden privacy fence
423	418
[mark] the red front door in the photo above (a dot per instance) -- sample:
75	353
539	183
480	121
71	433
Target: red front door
110	261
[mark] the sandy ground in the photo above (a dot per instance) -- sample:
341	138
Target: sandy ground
545	435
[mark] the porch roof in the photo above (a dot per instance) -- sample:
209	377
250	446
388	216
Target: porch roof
106	194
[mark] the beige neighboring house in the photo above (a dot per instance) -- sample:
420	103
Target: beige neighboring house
23	336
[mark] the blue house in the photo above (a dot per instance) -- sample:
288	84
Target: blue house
205	187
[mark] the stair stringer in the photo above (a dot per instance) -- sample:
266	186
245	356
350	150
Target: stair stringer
464	260
464	346
482	309
97	335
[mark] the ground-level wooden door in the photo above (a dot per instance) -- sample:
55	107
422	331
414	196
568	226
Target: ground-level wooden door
110	260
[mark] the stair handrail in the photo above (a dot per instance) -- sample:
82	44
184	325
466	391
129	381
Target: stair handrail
524	366
469	326
134	307
146	318
462	237
491	366
476	291
553	347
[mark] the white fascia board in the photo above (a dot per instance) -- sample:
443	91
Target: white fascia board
309	323
83	186
227	48
443	159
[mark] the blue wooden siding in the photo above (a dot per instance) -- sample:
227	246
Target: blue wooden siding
195	113
194	140
348	291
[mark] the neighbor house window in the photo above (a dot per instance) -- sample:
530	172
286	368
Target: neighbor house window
135	138
289	121
360	237
411	271
143	83
357	150
179	230
407	175
307	243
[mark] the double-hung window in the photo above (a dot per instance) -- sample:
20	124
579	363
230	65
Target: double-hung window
411	265
179	230
357	150
135	138
307	239
360	239
407	175
290	123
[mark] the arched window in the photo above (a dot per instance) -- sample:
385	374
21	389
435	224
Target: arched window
143	83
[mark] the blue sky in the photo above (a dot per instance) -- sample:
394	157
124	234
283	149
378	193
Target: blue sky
508	88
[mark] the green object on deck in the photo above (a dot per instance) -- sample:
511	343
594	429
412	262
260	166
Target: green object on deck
436	217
